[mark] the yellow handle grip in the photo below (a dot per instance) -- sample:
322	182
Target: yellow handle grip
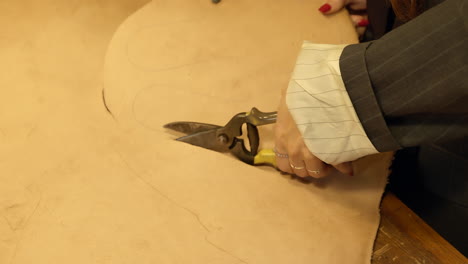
265	157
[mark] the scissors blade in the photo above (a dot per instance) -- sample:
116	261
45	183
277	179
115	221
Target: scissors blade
205	139
190	127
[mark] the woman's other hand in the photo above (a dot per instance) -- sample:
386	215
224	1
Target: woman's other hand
356	8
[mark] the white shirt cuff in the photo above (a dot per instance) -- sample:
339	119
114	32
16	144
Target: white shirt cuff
320	105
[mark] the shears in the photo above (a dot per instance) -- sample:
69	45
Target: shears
227	138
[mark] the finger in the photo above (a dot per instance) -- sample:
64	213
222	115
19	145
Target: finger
281	138
359	20
298	167
345	168
282	161
296	157
283	165
315	167
332	6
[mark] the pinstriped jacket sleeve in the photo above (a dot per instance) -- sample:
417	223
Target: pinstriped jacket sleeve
411	86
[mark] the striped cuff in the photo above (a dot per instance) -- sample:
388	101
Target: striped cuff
320	105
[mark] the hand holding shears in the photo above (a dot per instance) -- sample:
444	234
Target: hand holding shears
227	139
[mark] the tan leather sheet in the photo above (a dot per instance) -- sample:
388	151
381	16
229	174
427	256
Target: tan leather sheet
79	185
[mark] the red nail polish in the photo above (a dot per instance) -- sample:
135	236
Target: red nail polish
363	23
325	8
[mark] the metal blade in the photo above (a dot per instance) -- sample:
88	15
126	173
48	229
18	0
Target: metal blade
190	127
206	139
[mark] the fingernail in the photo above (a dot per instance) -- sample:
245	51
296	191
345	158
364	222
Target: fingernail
325	8
363	23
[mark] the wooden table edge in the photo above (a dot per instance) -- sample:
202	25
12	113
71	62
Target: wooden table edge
404	235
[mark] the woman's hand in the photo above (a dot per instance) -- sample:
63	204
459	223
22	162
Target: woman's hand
356	8
293	156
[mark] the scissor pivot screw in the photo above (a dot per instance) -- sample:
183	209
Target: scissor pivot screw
223	138
215	1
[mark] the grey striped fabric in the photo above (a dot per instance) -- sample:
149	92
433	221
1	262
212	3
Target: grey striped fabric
411	86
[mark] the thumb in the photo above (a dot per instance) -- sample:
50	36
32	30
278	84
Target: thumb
332	6
345	168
